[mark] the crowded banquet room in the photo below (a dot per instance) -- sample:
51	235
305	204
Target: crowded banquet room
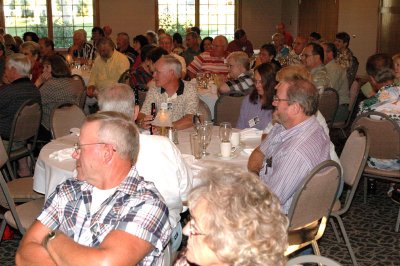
131	129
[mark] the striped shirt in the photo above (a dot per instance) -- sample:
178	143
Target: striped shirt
290	155
204	62
243	85
136	207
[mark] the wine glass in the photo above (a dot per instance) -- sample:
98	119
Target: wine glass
204	132
225	131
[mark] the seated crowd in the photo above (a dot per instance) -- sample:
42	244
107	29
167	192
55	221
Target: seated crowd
119	196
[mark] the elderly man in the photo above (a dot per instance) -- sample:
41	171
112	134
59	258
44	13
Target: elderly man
180	97
81	50
213	61
110	214
165	42
171	176
338	78
241	82
124	46
298	45
295	145
14	94
193	47
108	66
241	43
313	59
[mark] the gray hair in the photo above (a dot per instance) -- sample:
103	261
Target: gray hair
118	130
125	35
243	218
33	47
118	98
385	74
82	33
241	58
173	64
21	64
303	92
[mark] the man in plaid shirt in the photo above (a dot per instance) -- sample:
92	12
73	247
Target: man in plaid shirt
110	215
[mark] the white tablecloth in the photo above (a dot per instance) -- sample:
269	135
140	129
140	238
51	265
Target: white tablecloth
85	74
50	172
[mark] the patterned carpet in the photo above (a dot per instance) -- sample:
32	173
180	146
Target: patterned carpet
370	228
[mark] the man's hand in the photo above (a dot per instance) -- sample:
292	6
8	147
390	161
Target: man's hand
145	121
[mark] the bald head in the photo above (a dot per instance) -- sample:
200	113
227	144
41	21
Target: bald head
298	44
220	43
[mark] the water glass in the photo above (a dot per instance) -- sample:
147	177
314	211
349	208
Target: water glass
225	131
195	145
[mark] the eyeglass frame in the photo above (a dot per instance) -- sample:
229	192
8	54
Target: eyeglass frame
193	231
77	146
277	99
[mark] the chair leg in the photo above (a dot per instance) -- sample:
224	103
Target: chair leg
2	227
346	240
338	238
315	247
396	228
365	189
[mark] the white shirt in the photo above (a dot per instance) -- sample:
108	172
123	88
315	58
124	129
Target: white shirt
160	162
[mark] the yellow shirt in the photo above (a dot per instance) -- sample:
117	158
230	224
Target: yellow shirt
105	72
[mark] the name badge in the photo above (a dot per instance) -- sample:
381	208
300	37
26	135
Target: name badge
254	121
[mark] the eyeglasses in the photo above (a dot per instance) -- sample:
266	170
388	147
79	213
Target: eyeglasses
276	99
193	230
78	147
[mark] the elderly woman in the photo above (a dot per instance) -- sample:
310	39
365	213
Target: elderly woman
31	50
236	220
256	109
58	88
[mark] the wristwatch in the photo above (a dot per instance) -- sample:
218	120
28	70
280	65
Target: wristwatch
49	237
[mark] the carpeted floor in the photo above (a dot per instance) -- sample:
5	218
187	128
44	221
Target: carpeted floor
370	228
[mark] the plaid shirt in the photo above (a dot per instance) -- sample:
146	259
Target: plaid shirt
136	207
243	85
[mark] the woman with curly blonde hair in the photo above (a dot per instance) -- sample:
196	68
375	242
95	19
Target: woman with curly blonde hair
236	220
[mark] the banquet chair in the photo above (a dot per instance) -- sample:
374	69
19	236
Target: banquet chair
24	129
19	217
79	84
309	259
353	159
328	105
204	110
227	109
384	135
354	91
311	206
21	189
64	117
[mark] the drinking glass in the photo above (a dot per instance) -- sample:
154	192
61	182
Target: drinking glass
204	132
225	131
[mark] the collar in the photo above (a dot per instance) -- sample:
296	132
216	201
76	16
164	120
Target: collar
294	131
180	88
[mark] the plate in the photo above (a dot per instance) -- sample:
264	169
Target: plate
219	156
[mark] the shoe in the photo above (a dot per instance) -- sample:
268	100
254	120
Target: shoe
371	186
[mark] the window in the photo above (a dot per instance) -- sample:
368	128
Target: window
213	17
31	15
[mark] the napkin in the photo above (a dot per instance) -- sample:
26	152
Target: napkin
250	133
62	155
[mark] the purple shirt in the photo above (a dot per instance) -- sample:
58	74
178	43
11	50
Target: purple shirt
291	154
250	111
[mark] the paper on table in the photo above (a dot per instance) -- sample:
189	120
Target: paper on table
250	133
62	155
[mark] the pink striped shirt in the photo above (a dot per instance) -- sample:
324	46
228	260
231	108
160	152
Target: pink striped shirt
204	62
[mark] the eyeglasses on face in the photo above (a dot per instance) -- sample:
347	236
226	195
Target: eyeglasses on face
276	99
193	230
78	147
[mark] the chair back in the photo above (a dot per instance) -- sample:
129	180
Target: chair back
309	259
315	196
26	124
204	110
354	91
80	88
65	117
328	105
383	132
227	109
4	162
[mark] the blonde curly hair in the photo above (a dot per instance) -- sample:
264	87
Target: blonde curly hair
243	219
